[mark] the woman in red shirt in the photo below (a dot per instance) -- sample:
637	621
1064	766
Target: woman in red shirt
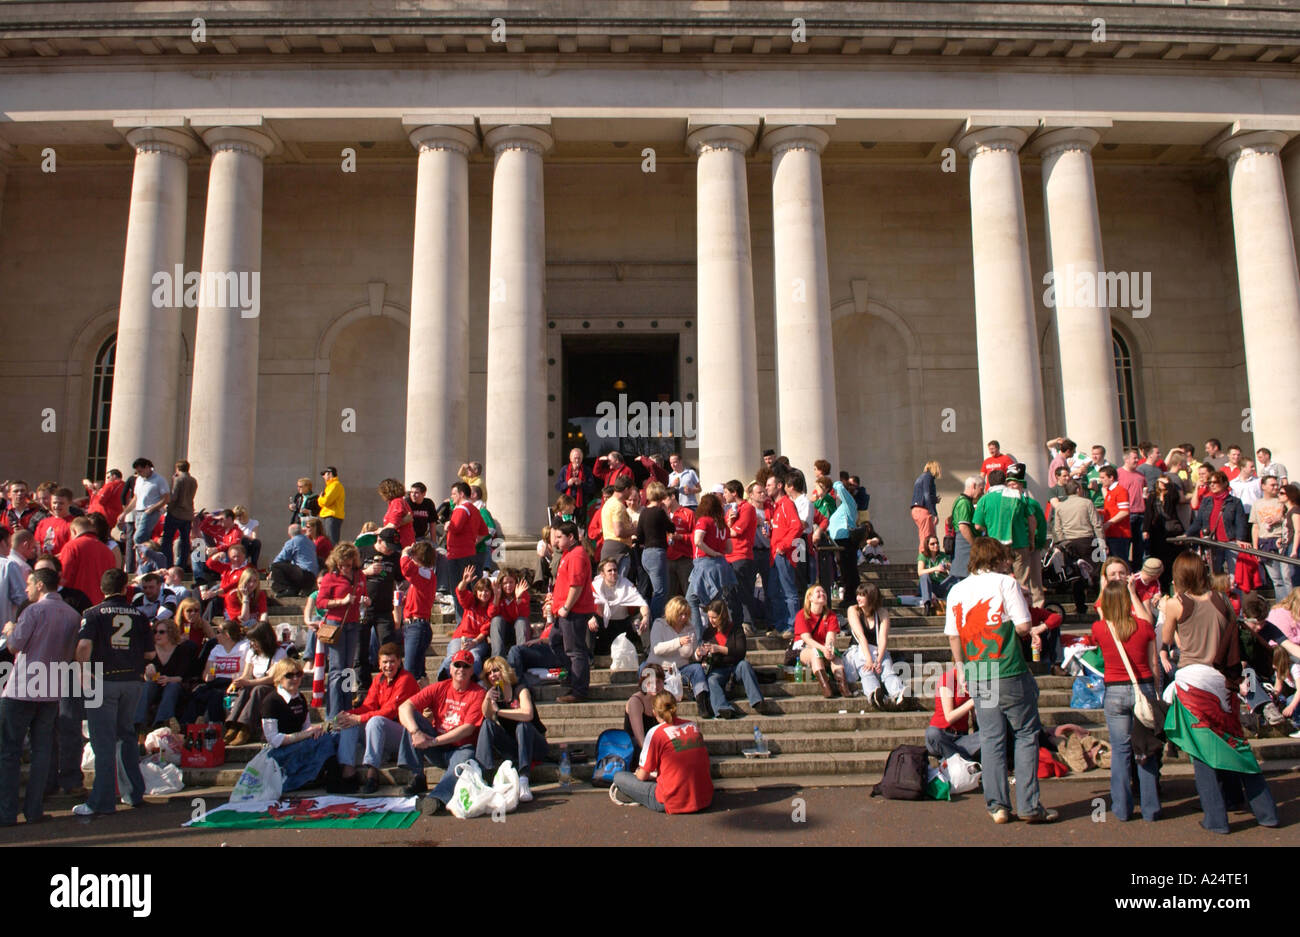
817	626
711	574
316	530
948	732
341	594
398	515
1125	617
674	750
475	622
417	564
509	612
246	603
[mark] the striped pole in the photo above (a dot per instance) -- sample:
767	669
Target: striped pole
318	677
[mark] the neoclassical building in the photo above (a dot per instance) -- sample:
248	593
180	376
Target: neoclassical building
447	232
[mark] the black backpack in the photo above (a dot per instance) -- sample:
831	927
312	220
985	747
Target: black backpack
905	772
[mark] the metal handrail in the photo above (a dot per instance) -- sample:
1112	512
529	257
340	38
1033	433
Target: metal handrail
1229	545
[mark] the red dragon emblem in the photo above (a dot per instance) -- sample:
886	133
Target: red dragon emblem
307	809
978	630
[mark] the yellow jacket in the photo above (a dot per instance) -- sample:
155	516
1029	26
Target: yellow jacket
331	499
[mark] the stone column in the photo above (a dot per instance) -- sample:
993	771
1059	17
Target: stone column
1269	287
146	375
437	377
1085	348
223	403
727	347
1006	333
805	359
515	450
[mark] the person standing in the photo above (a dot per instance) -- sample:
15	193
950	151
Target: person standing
610	467
653	528
331	503
742	530
685	480
576	481
85	559
149	498
963	525
303	504
681	546
1246	486
106	499
43	638
786	530
925	502
986	613
1116	511
423	513
118	638
574	606
1265	465
1134	483
1267	526
465	528
997	460
1005	514
616	527
180	514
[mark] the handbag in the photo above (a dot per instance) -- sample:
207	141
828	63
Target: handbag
1142	710
327	632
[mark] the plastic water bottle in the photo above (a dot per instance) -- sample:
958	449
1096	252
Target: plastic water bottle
566	770
760	743
798	671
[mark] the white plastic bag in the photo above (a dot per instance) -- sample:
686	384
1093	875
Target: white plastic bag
623	653
673	681
262	780
963	774
505	787
161	778
87	758
471	796
164	742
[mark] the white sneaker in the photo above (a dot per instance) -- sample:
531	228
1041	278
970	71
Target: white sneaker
1295	734
614	793
525	792
83	810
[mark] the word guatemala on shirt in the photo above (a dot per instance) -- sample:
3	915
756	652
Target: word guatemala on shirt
103	890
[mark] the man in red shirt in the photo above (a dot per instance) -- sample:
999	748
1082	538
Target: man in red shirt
465	528
786	529
1232	468
53	532
610	467
1115	514
456	707
376	718
997	460
1135	483
106	499
85	559
23	513
742	525
228	566
681	544
574	606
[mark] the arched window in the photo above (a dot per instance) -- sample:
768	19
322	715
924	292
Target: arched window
101	402
1124	381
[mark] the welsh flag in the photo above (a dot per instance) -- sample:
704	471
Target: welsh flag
1204	722
329	812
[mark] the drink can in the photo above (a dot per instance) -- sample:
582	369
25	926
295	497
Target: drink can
1038	654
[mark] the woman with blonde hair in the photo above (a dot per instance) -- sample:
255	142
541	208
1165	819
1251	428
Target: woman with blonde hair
511	727
672	639
246	603
170	675
302	504
194	627
248	533
818	627
925	502
1127	638
300	748
673	773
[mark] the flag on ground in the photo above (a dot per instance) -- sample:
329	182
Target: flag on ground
329	812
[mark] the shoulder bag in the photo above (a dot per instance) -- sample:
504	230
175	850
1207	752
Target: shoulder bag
1142	708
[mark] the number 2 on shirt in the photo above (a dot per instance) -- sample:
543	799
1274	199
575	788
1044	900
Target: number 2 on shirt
121	631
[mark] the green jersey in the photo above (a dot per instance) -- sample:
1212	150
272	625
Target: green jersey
1004	514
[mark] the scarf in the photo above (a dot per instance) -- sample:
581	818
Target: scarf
1218	531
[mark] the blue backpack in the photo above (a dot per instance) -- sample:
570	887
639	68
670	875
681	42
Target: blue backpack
614	751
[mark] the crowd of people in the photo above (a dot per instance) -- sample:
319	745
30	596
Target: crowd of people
173	603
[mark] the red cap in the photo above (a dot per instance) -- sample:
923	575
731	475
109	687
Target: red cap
463	657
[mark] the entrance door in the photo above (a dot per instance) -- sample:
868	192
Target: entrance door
605	378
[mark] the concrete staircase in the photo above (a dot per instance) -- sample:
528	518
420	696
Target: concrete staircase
813	740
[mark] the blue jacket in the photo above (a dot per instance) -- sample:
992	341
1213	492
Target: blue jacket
1234	519
924	494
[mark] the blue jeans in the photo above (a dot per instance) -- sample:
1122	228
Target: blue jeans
480	652
524	657
504	634
654	560
111	722
517	742
785	599
172	527
166	697
1119	723
1000	701
302	761
69	743
573	634
446	757
383	735
1135	523
712	578
333	528
944	742
1119	546
1278	572
717	683
342	657
745	571
929	591
1209	785
17	718
417	635
643	792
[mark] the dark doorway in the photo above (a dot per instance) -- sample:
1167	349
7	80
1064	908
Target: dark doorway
598	370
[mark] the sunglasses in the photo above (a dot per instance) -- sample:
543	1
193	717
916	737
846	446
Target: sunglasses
459	666
293	676
160	631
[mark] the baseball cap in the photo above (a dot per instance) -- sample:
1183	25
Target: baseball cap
330	469
463	657
388	535
1016	472
1152	566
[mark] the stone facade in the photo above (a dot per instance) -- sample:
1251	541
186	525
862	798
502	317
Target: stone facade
332	344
